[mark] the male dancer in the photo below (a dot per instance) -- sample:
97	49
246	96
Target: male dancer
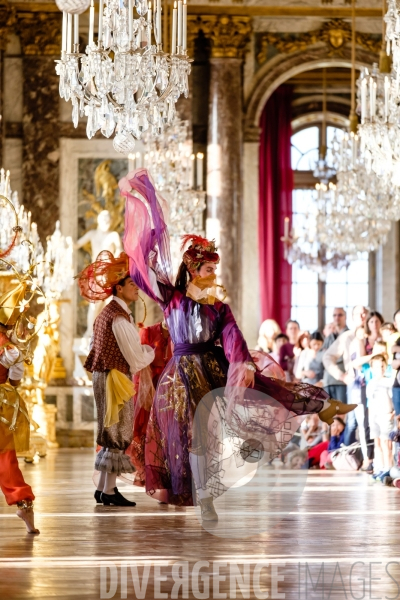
116	355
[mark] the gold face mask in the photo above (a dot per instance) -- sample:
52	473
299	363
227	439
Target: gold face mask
204	290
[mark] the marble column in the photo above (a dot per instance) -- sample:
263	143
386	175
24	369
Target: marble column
40	43
250	311
224	165
7	20
229	36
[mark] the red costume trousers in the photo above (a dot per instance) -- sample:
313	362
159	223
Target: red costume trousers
12	482
319	454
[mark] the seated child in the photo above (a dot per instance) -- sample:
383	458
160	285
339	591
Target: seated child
321	454
381	415
297	459
313	431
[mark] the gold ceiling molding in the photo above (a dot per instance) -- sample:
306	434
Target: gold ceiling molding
40	33
229	35
7	20
335	34
327	12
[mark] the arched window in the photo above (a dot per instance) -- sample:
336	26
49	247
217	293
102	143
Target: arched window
314	297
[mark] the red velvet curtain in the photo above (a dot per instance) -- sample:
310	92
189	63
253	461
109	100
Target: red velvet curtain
275	203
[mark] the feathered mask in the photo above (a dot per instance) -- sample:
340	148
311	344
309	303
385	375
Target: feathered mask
199	252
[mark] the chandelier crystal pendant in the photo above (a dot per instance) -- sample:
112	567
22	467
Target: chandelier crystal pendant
124	83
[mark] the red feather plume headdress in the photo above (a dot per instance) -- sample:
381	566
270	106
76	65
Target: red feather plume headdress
199	252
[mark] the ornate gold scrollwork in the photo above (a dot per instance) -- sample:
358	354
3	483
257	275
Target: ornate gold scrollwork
229	35
7	20
40	33
335	34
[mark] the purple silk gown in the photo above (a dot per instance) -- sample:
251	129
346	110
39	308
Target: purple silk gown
209	353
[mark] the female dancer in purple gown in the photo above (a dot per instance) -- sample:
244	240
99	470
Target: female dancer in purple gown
210	353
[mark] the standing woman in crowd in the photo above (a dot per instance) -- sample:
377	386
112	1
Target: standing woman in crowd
394	358
309	367
361	349
268	331
301	352
287	355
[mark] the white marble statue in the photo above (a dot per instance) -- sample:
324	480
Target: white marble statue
100	239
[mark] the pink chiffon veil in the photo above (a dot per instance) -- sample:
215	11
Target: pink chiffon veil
146	237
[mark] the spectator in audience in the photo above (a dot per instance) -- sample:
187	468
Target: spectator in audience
381	415
395	353
328	329
286	353
278	342
309	367
391	340
268	331
361	350
301	348
379	348
297	459
313	431
387	331
340	351
395	438
321	454
335	387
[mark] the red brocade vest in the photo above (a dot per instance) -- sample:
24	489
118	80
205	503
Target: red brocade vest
105	353
3	374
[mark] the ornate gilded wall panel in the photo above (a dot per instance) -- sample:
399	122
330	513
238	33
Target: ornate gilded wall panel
335	35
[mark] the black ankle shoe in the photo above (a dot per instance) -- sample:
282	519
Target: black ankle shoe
97	495
115	500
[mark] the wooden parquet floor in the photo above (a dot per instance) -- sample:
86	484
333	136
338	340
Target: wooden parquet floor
342	528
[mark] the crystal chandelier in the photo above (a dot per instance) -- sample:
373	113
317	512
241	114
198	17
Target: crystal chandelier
55	271
53	267
124	82
379	130
311	246
378	103
364	201
359	220
354	214
178	176
11	212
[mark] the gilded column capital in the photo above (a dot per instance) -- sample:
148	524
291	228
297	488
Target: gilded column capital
40	33
229	35
7	20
